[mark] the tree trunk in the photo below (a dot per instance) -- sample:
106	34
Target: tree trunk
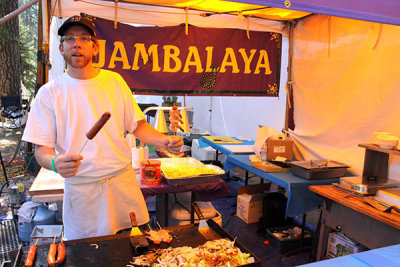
10	79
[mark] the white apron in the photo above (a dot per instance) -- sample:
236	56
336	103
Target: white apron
102	207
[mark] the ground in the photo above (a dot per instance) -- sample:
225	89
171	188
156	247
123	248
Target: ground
15	158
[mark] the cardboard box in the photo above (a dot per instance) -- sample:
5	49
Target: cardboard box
340	245
250	202
279	147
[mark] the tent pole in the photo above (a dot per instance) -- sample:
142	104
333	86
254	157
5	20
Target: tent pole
289	120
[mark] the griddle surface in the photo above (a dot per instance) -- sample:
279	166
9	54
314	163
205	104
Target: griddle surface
111	252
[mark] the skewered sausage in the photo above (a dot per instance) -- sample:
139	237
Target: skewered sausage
60	252
51	256
98	125
30	258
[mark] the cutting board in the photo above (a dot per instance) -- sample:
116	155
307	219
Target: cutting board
244	149
222	140
47	182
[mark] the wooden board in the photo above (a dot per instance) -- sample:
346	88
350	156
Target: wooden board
47	182
222	140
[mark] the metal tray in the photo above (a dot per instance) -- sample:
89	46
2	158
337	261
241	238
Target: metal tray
318	169
191	162
172	161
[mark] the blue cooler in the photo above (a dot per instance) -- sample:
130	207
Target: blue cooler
24	231
43	216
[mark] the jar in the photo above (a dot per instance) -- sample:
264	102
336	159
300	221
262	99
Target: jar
151	172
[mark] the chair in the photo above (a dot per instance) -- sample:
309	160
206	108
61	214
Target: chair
12	110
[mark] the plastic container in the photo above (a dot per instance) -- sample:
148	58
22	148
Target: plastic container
24	231
287	245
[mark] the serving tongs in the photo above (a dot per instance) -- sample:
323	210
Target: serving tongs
380	205
373	202
320	164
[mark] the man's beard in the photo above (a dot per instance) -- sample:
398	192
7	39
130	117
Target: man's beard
77	64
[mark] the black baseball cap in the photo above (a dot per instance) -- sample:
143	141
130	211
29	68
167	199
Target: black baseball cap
82	21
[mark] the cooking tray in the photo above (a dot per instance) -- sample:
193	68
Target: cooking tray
318	169
188	163
116	250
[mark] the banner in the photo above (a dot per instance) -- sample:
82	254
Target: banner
207	61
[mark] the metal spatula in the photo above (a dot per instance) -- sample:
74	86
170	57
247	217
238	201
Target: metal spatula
138	240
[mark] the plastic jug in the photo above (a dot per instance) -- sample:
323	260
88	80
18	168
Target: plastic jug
44	216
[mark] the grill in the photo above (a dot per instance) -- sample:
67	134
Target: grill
9	239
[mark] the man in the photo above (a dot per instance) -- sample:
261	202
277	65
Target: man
100	185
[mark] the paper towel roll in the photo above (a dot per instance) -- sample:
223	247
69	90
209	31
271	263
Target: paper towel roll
137	157
375	136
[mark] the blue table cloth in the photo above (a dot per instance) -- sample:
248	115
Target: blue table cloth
380	257
203	142
300	198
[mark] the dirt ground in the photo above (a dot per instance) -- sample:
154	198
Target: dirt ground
15	159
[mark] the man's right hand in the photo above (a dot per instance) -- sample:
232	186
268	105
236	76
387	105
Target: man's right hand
67	165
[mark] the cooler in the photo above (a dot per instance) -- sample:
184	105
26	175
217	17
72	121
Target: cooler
205	153
179	210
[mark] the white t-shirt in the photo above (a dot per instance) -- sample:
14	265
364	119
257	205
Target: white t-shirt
65	109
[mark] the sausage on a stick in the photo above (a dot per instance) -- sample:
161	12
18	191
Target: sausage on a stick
96	127
30	258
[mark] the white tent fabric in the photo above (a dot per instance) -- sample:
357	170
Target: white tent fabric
346	86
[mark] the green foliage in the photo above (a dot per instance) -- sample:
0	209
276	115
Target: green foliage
28	36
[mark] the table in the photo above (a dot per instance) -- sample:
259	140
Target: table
386	256
357	220
204	142
300	198
48	186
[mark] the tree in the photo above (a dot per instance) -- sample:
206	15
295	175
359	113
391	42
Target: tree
10	79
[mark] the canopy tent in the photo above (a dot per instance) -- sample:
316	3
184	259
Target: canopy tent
343	79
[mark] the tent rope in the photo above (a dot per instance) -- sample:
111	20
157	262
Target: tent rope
378	37
329	36
186	21
247	28
116	14
131	9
